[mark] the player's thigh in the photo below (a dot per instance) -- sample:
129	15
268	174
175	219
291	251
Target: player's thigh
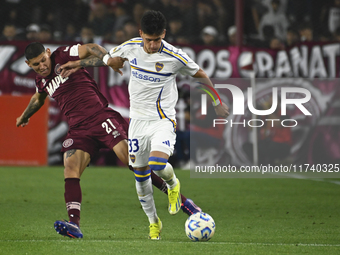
75	162
139	143
163	138
121	150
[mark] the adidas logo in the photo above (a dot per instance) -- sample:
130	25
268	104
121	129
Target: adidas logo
134	61
167	142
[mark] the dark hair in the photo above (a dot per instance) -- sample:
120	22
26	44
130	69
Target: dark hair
33	50
153	23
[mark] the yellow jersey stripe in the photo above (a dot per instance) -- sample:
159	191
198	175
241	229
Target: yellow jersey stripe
176	55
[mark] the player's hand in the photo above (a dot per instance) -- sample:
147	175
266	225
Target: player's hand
69	68
22	121
222	110
116	63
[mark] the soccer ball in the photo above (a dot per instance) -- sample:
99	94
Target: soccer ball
200	227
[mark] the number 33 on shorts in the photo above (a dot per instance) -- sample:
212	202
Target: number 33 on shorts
133	145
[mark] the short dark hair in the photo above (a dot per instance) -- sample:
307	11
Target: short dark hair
153	23
33	50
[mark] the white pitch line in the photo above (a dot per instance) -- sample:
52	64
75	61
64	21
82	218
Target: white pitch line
164	241
302	177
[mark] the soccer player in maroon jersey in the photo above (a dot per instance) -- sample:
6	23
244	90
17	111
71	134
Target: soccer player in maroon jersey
92	124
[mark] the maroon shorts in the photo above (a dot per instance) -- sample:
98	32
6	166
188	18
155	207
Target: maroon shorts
103	130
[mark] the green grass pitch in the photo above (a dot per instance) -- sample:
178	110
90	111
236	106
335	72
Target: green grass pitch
253	216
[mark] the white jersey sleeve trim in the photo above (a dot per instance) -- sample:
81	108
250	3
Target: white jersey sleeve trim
74	50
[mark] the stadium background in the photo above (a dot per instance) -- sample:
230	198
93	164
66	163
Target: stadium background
290	39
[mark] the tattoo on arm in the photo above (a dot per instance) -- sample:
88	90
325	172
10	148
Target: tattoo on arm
33	106
91	61
98	51
70	153
96	54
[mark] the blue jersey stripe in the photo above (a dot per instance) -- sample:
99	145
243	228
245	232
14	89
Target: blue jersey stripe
147	71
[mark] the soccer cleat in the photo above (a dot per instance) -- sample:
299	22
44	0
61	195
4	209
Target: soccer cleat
189	207
155	230
68	228
175	200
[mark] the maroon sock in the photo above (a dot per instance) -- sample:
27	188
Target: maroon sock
161	185
73	198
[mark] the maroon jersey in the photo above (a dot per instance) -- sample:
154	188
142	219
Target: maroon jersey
78	95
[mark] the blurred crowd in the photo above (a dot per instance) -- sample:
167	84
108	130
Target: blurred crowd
275	24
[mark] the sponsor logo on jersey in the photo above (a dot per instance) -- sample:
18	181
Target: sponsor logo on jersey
67	143
54	84
159	66
133	158
145	77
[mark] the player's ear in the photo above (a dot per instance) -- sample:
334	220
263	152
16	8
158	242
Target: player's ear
28	63
48	52
164	32
140	32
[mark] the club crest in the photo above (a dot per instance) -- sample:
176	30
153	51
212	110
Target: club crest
159	66
57	72
67	143
133	158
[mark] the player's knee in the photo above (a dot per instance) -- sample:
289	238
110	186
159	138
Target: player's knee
142	176
157	163
72	169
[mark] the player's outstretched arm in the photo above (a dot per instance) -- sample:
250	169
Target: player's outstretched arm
37	100
92	55
221	110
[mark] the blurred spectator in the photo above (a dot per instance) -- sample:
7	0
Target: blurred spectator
175	33
9	33
292	36
111	5
32	32
131	29
209	36
101	21
276	19
137	12
45	34
120	36
300	11
203	15
232	35
323	35
169	8
330	15
306	32
121	16
86	35
71	32
276	44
